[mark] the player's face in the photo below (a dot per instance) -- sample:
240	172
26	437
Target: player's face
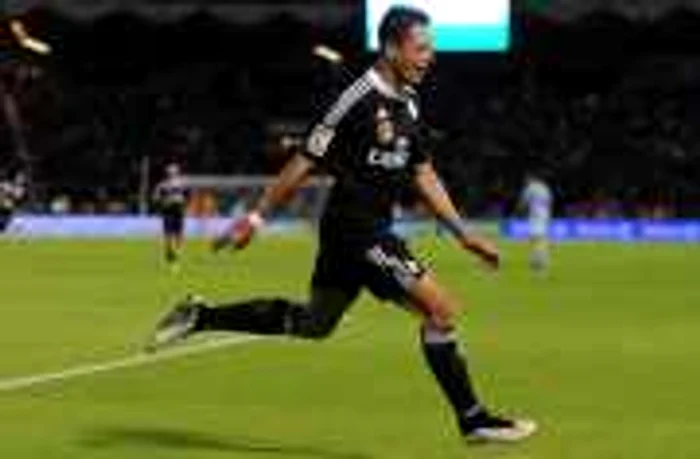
173	171
416	54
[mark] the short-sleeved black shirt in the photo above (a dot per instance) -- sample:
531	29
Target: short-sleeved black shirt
371	141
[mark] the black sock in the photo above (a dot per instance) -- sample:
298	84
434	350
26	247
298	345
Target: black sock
260	317
450	370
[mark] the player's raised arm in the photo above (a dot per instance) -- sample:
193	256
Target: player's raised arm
294	173
438	200
279	192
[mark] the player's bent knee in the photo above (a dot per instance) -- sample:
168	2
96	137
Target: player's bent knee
316	332
316	335
440	322
317	327
440	315
444	314
433	302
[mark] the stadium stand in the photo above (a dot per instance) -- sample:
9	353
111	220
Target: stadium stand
603	101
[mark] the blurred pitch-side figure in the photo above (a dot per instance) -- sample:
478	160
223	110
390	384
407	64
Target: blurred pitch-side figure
170	196
537	201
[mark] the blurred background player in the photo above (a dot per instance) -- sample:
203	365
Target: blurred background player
370	140
12	191
537	201
171	198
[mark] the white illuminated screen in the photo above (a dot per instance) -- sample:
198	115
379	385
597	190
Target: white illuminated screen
459	25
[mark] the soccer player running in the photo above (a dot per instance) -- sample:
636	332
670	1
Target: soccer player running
171	196
537	199
370	140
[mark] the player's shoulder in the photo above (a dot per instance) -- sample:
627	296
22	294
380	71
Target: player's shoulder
542	190
544	187
350	100
366	91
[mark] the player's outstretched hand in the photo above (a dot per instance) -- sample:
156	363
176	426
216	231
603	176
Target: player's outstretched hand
240	234
484	249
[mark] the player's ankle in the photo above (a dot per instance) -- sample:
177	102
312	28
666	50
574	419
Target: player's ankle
479	417
470	414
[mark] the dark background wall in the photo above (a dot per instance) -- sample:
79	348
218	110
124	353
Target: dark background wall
605	102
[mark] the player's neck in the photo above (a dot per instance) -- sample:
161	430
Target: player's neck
390	77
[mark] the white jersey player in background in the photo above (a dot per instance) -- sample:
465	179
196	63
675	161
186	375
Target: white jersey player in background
537	199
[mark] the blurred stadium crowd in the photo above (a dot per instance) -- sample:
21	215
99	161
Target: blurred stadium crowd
603	103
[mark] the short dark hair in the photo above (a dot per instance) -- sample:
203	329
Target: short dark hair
397	21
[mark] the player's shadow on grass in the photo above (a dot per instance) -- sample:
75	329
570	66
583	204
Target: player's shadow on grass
181	439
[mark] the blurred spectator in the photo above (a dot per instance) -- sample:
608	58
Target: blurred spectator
612	116
60	205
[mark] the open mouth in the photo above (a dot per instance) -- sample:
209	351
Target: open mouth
420	71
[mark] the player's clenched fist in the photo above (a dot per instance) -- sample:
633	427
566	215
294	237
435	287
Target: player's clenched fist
240	234
483	248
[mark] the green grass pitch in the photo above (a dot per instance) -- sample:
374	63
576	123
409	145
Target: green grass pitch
604	354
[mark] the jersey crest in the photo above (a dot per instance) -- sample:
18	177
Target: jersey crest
385	127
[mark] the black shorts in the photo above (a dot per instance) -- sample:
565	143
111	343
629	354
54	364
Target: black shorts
385	267
173	221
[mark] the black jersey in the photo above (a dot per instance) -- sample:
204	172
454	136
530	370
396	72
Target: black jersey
370	140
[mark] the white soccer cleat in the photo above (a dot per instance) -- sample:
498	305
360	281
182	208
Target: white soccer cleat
484	427
519	430
177	325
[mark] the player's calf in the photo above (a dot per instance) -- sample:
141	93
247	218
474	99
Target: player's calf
539	256
315	327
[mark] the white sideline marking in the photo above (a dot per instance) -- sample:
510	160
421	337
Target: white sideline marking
10	384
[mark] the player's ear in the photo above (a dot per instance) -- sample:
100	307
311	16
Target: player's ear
391	51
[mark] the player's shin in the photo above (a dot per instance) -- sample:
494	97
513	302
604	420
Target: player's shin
539	257
171	250
260	317
449	367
